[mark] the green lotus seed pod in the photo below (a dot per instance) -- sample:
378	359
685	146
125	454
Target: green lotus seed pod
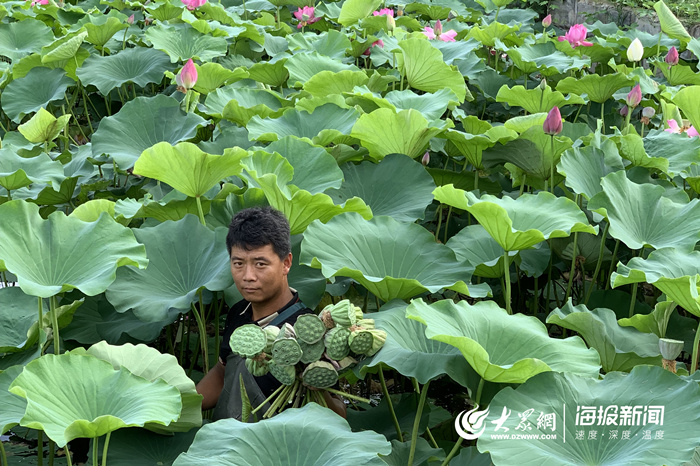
378	339
248	340
271	333
365	324
358	312
360	341
320	374
285	374
309	328
286	351
670	349
336	340
257	368
313	352
287	331
342	313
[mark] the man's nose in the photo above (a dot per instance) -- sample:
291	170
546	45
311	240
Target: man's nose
249	274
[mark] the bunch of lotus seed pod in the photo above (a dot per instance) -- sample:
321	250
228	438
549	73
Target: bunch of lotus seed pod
306	357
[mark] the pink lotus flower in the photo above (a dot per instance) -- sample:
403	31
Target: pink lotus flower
187	77
193	4
130	20
553	124
384	11
305	16
437	33
674	128
634	97
40	2
576	36
547	21
379	43
672	56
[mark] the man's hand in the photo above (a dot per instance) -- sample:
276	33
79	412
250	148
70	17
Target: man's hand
211	385
335	403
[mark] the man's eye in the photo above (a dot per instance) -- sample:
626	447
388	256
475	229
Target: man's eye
261	264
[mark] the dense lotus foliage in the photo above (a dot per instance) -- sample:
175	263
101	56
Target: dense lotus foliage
514	204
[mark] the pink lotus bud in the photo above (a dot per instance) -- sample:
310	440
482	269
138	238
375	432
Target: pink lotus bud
130	20
634	97
547	21
648	112
438	28
553	124
187	77
672	56
426	159
624	111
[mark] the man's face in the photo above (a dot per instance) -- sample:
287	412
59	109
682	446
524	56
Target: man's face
260	275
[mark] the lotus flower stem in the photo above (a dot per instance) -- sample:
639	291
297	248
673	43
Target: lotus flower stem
453	452
602	118
3	455
54	323
385	391
601	250
347	395
447	225
202	337
279	389
104	449
95	444
551	164
430	437
200	211
52	451
536	297
68	458
694	360
506	276
416	423
439	216
612	263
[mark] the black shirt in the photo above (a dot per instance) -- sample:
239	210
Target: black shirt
241	314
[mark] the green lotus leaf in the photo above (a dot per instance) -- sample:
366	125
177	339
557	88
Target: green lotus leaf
211	76
689	101
101	28
97	321
501	347
615	444
408	351
92	209
387	257
248	97
327	123
17	172
63	48
271	173
386	132
632	149
13	406
405	199
139	447
431	105
670	24
642	214
425	69
584	167
43	127
678	75
315	170
303	66
488	34
34	91
620	348
22	38
474	245
283	440
43	253
48	195
138	65
519	223
598	88
140	124
330	82
187	168
544	58
18	313
680	151
149	363
185	256
182	42
423	451
273	74
71	396
243	104
520	124
531	152
664	323
671	270
355	10
172	208
536	100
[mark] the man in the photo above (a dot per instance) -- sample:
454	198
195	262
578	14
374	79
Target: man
260	251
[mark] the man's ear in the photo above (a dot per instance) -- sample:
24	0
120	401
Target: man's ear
287	262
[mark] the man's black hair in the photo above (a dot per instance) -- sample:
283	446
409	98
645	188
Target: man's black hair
257	227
